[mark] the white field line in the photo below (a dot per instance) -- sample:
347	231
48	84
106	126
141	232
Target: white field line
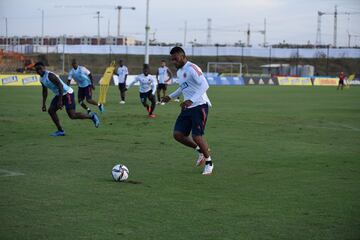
7	173
344	126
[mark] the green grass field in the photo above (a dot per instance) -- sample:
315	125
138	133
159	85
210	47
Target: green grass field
287	166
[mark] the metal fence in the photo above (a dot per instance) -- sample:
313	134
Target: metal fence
191	51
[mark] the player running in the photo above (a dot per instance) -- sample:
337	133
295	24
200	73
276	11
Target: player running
194	108
84	79
64	95
147	89
163	77
122	73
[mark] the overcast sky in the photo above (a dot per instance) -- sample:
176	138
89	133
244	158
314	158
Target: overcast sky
291	20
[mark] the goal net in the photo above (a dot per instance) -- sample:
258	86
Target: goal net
224	68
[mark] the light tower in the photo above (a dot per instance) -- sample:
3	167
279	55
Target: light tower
208	36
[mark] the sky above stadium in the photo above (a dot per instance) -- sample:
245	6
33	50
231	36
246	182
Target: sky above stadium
292	21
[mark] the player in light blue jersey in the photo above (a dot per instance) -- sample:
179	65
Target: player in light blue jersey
194	109
64	95
84	79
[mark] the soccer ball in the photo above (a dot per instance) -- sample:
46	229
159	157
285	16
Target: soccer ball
120	173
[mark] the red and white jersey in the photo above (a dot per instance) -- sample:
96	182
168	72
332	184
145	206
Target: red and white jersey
163	74
193	85
147	83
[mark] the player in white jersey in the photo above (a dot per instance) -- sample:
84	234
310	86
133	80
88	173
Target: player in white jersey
163	77
85	81
194	109
64	95
147	89
122	73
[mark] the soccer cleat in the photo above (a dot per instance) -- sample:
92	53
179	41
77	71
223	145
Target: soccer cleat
201	160
152	116
177	100
163	103
157	103
208	169
95	119
122	102
58	134
101	107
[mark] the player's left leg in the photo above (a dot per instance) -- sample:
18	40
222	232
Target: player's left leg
199	119
182	129
69	103
153	104
122	87
81	97
54	117
158	90
143	97
164	90
88	95
164	93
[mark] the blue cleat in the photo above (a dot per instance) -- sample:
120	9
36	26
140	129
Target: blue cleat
95	119
58	134
101	108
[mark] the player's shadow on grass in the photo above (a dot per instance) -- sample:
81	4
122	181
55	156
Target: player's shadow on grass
126	182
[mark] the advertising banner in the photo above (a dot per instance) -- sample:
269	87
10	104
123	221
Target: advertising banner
294	81
19	80
324	81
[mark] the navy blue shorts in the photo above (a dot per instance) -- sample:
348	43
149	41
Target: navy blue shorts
192	120
68	101
85	92
162	86
122	87
146	95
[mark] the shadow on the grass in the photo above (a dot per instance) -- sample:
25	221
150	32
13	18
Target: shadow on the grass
125	182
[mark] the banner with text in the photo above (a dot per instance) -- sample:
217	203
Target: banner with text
295	81
19	80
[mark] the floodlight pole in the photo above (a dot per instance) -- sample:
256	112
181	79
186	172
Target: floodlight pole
147	28
6	32
63	54
185	33
42	26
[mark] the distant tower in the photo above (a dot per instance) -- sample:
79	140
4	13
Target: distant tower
335	25
208	37
248	36
318	30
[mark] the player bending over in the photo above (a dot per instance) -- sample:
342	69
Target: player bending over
147	89
64	95
194	108
84	79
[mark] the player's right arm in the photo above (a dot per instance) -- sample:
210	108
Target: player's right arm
126	74
115	72
69	78
44	97
132	83
172	95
